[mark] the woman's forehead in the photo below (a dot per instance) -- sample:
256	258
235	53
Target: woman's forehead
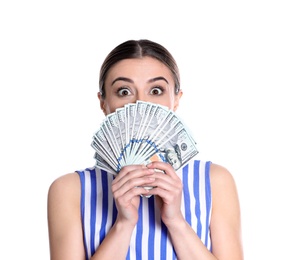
142	67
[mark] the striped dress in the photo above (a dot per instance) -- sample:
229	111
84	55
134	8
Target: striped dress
149	239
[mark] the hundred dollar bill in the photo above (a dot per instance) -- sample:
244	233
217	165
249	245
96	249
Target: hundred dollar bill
112	125
141	116
107	130
102	147
102	164
145	126
121	120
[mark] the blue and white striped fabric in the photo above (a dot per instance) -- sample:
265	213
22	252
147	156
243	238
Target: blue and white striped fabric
149	239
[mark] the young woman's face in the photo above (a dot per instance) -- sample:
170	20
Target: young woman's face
145	79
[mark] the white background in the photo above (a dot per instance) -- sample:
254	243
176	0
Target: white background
231	59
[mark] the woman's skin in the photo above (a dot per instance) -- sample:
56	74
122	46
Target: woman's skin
145	79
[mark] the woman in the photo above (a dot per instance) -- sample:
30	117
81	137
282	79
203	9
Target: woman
193	212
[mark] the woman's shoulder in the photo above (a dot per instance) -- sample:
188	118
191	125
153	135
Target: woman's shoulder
64	181
220	175
65	187
223	185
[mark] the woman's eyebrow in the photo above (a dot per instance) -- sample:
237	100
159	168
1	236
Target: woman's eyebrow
131	81
156	79
122	79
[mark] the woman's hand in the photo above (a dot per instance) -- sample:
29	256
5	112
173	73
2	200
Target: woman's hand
127	188
168	190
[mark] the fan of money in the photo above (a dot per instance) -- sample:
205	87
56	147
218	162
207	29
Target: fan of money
140	133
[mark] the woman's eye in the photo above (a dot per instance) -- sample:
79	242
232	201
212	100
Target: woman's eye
123	92
156	91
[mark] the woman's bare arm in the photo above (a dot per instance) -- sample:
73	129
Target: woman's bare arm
226	215
64	220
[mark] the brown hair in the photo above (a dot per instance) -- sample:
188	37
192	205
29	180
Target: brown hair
137	49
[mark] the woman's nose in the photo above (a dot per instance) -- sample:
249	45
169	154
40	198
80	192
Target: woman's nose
141	96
